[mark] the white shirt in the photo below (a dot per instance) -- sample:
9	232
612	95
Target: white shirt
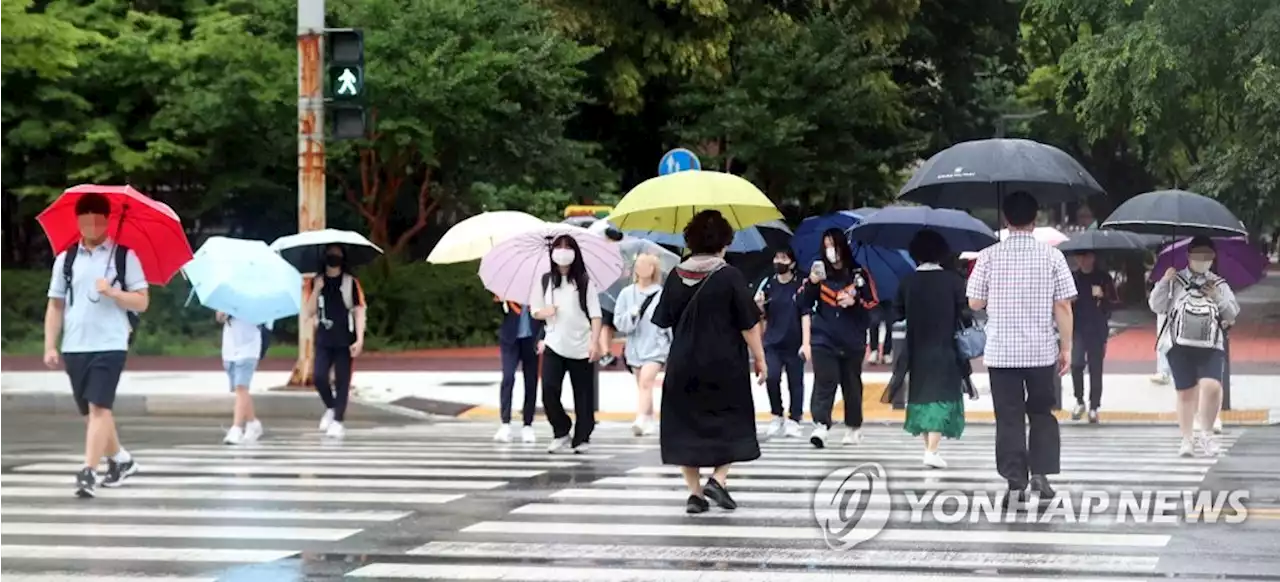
241	340
568	332
92	323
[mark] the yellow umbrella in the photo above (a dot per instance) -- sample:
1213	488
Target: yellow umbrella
470	239
666	203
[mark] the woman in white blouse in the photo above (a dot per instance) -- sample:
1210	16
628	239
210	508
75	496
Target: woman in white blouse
570	304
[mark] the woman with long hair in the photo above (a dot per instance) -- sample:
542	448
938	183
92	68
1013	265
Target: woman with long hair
836	299
647	344
569	302
708	415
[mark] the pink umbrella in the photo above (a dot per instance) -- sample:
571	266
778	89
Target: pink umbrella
513	270
1045	234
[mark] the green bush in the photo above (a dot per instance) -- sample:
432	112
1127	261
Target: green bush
411	305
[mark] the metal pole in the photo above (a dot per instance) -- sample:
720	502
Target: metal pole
311	215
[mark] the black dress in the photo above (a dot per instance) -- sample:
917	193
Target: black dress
708	415
932	301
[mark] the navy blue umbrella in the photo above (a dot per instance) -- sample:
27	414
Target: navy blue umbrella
887	267
807	242
894	228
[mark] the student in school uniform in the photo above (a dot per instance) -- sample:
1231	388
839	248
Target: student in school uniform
518	339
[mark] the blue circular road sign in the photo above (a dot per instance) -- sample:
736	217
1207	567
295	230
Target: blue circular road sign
678	160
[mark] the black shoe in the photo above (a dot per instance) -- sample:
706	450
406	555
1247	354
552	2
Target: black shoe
1015	498
717	493
696	504
86	484
118	472
1040	484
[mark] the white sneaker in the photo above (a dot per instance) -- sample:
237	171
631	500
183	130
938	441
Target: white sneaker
336	430
934	460
775	427
873	358
1185	449
1217	425
582	449
888	359
638	427
791	428
504	433
1207	444
650	427
1077	412
818	438
1161	379
234	436
558	444
327	420
252	431
852	437
527	435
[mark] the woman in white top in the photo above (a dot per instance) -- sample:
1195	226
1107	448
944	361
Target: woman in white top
647	344
570	304
241	348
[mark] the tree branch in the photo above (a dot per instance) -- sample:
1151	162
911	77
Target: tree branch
425	210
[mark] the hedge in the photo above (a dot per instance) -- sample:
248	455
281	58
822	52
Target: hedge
411	305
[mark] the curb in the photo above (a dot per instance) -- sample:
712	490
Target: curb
270	405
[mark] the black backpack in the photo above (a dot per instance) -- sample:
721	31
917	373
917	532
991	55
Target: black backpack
121	256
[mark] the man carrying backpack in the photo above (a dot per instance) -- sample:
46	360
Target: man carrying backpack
95	286
337	303
1200	307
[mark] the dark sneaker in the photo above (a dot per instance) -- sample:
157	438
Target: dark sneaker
1093	416
717	493
1015	498
86	484
1040	484
118	472
696	504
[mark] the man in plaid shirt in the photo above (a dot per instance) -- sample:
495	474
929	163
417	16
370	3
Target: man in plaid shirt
1026	287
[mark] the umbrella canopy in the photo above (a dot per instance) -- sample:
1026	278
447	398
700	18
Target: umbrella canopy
1094	241
666	203
305	250
513	270
472	238
632	247
244	279
151	229
1175	213
1045	234
1239	262
807	242
887	267
895	227
748	240
976	174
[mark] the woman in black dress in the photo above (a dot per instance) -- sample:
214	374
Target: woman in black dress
708	415
932	300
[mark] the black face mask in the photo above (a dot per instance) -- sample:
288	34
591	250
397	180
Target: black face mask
333	260
782	268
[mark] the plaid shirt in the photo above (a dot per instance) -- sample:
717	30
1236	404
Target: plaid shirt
1020	279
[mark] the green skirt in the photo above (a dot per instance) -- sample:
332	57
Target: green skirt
944	416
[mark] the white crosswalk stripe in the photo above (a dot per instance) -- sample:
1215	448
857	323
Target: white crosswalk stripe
630	524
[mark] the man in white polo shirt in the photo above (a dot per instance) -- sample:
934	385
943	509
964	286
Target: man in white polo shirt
90	311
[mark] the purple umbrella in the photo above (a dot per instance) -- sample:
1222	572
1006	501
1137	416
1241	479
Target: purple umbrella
1238	261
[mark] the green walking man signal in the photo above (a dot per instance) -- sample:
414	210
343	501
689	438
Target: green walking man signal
345	83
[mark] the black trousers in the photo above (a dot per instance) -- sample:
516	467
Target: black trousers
1089	351
582	376
832	368
788	360
338	359
522	353
1019	395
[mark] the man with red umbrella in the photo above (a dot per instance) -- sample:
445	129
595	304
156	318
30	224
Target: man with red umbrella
110	242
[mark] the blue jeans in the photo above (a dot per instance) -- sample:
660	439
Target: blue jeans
779	359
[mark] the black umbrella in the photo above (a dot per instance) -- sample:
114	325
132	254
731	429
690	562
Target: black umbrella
977	174
1094	240
894	227
1175	213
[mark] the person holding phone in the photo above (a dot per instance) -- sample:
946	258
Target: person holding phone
1095	295
777	299
836	302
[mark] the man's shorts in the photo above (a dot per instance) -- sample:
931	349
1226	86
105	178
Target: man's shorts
1189	365
240	372
94	377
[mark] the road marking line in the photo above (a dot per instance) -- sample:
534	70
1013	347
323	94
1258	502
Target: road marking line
1125	476
441	484
152	530
327	459
257	469
326	497
142	554
525	573
218	513
83	577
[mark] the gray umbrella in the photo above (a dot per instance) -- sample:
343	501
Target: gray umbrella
632	247
976	174
1175	213
1094	240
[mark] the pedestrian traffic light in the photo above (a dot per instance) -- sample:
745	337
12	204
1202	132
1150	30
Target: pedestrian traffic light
348	121
345	64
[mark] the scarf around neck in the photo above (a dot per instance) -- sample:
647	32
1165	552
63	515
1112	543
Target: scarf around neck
697	268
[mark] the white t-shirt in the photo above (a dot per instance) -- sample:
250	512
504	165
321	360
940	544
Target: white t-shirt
241	340
568	332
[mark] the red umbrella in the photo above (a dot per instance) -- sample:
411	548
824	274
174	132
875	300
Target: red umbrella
150	228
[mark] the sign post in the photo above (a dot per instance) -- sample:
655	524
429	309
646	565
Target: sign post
678	160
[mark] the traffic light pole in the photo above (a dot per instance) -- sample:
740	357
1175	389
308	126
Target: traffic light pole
311	125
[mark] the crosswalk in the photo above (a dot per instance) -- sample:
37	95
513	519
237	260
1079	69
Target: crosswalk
442	501
632	525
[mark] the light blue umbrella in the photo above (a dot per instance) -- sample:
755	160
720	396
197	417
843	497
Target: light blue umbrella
244	279
748	240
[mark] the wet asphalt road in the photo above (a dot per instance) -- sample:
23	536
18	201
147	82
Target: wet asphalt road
442	501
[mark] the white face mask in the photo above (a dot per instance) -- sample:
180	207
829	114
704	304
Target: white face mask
563	257
831	255
1200	266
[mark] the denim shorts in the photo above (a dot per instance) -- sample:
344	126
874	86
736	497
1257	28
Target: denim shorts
240	372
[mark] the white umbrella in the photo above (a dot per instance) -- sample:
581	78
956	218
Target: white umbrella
470	239
305	250
1045	234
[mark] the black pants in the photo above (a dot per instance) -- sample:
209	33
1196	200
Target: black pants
1089	351
788	360
524	354
94	377
1019	394
832	368
337	358
582	376
881	315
